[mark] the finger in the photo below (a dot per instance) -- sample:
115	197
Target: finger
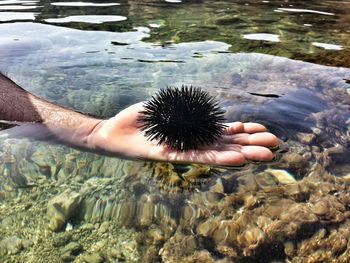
247	127
133	108
229	158
257	153
262	139
234	127
129	116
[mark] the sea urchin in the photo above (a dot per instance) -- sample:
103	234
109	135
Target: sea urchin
182	118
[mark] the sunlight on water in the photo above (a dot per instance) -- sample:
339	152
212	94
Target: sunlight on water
83	4
17	7
13	16
86	19
327	46
262	36
18	2
305	11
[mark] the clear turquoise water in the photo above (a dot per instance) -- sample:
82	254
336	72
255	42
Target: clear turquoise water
100	57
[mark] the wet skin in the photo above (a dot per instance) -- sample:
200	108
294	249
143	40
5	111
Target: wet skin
121	136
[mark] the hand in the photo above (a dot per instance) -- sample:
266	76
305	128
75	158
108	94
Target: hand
241	142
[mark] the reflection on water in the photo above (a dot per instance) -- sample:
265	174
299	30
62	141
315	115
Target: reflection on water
297	10
15	16
262	36
86	19
82	4
16	7
327	46
99	57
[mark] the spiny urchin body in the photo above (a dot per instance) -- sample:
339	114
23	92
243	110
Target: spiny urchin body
182	118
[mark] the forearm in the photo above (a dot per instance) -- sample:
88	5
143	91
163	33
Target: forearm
18	105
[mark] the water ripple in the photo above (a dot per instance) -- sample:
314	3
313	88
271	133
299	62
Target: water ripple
262	36
83	4
98	19
13	16
327	46
297	10
17	7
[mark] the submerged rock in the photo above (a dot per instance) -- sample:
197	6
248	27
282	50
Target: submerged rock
293	159
282	176
292	209
70	251
250	239
93	258
12	245
306	138
61	208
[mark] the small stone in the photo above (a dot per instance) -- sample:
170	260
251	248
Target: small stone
156	235
115	253
320	208
218	187
73	247
69	227
282	176
61	208
11	245
87	226
146	214
151	255
265	180
250	201
306	138
203	256
207	228
298	213
263	222
93	258
316	130
104	227
61	239
251	238
336	149
289	248
70	251
56	217
293	159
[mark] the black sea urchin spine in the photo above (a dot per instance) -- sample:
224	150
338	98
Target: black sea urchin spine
182	118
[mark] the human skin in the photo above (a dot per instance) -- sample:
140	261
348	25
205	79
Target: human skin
121	136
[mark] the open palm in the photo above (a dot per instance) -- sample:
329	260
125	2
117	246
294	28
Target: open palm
241	141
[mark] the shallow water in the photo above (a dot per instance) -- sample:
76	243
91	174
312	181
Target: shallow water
284	64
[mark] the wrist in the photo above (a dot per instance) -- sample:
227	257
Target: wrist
92	137
77	135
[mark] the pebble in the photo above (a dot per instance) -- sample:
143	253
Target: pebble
61	208
306	138
61	239
156	235
93	258
282	176
70	251
218	187
11	245
104	227
293	158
